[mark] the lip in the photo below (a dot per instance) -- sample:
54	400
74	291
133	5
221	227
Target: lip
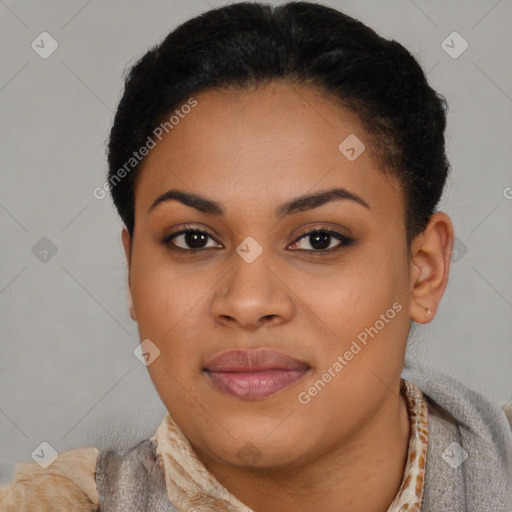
253	360
255	373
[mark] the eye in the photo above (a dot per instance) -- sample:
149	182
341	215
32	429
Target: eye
193	238
320	240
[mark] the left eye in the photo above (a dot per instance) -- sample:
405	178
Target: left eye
320	240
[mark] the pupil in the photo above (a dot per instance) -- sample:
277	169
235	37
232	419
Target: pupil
320	240
194	239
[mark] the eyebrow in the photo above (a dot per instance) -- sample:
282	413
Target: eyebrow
299	204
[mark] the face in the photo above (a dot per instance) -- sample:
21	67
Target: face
250	272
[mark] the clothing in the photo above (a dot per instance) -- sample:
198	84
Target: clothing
66	485
163	474
469	466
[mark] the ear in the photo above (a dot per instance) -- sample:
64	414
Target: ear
127	244
430	267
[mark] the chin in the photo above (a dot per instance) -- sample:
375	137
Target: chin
249	442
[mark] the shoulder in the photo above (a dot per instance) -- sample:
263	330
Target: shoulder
469	456
67	484
464	404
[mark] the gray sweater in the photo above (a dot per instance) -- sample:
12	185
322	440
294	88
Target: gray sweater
468	468
453	483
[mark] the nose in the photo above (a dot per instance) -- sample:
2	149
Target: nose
252	295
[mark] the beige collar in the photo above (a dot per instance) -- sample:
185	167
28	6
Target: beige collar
190	486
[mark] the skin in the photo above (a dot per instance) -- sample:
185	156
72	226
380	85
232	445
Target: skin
251	152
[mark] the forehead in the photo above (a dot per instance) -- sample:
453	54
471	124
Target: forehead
274	142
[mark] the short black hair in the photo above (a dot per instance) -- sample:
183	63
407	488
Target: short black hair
245	44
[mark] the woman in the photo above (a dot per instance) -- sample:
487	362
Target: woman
277	171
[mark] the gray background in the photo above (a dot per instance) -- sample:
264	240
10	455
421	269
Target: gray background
68	375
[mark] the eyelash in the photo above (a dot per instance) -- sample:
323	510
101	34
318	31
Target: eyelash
346	241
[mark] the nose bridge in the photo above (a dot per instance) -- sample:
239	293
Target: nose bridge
251	290
251	274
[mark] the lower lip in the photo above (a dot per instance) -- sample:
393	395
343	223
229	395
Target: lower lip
255	385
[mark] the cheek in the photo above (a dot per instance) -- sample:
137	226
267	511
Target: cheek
163	293
170	311
360	310
351	295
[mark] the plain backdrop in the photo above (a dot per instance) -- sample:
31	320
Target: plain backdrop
68	375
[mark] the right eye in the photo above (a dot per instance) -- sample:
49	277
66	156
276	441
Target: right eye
192	238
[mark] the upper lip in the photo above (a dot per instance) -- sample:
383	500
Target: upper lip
253	360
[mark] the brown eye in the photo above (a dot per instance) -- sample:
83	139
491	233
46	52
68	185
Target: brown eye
191	239
320	240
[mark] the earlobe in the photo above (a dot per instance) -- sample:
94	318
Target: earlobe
430	266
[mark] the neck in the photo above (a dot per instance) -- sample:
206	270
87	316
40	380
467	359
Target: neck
361	474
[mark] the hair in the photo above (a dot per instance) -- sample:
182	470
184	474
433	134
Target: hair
244	45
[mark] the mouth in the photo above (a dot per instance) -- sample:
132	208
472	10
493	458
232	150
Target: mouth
254	374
